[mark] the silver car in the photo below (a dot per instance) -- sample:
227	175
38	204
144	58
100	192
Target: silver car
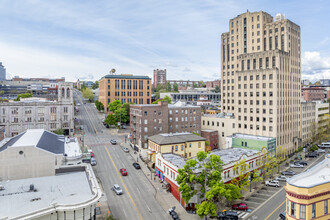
93	161
125	149
116	188
282	178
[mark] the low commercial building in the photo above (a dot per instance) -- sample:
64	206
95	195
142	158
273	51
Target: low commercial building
36	153
186	145
152	119
18	116
252	142
307	194
213	84
69	195
167	166
126	88
223	123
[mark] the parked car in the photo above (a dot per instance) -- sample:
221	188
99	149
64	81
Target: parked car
320	151
240	206
116	188
125	149
301	162
282	216
289	173
325	144
91	152
281	178
136	166
93	161
113	141
312	154
296	165
272	183
228	215
78	104
123	171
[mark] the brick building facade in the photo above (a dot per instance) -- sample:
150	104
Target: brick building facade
152	119
212	137
312	94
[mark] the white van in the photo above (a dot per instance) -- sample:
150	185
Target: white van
325	145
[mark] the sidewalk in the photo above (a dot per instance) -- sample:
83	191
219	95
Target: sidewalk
165	199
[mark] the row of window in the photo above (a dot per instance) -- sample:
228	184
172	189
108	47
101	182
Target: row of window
28	111
130	100
302	213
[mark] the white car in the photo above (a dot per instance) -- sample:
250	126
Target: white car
272	183
78	104
320	151
296	165
281	178
116	188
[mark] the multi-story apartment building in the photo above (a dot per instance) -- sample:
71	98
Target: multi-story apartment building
308	117
325	82
261	76
18	116
152	119
159	77
313	94
126	88
2	72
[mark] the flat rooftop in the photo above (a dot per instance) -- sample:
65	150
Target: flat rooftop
317	175
175	138
64	189
226	155
252	137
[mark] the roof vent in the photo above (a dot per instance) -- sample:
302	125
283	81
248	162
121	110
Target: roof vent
31	187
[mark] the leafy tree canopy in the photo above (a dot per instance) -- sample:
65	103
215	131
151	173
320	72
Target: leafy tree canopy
87	93
95	85
24	95
114	105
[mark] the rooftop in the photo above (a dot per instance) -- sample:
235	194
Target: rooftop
317	175
220	115
227	156
65	189
38	138
175	138
124	76
252	137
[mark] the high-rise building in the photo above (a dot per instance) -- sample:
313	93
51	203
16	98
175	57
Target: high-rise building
261	76
159	77
2	72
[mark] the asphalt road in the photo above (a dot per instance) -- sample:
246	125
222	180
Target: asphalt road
272	208
138	200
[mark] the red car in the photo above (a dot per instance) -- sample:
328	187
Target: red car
240	206
123	172
91	152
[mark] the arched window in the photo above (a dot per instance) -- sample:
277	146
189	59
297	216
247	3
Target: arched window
67	92
63	91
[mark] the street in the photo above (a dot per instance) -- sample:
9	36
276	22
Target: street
138	198
275	204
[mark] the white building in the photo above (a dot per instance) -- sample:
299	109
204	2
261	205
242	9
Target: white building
18	116
36	153
2	72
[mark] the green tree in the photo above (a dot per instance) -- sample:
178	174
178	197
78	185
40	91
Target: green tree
175	87
114	105
59	131
121	115
95	85
24	95
167	99
217	89
242	181
313	148
317	83
168	87
87	93
99	105
2	92
111	120
201	83
201	176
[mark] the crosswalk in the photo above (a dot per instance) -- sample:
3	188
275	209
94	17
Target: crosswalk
242	215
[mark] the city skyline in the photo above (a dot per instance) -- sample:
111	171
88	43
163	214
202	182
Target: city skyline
86	40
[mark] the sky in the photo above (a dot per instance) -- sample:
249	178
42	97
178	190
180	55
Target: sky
85	39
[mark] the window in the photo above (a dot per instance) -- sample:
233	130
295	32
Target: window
293	209
199	144
176	147
287	205
325	206
313	210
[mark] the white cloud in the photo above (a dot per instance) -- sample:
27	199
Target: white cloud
314	66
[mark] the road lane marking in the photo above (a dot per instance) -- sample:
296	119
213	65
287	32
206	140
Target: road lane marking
275	210
122	181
